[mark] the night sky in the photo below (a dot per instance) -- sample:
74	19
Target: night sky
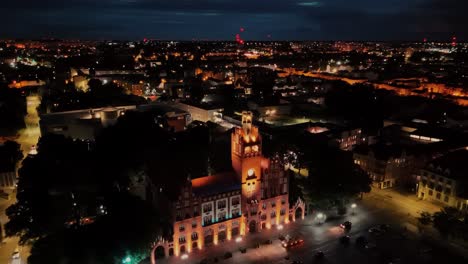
221	19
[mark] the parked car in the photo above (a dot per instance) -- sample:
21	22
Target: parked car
346	225
371	246
361	241
375	231
384	227
292	242
345	240
319	255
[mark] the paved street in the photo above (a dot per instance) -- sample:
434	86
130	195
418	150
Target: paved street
30	135
403	203
27	138
381	206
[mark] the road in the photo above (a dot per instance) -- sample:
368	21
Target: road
28	137
378	207
404	203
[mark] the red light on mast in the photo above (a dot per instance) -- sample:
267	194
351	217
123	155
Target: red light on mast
425	40
242	29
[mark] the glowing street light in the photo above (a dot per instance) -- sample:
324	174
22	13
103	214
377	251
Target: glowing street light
280	227
128	259
238	239
321	218
184	256
353	207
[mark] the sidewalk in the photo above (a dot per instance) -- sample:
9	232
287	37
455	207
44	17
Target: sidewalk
249	242
10	244
409	207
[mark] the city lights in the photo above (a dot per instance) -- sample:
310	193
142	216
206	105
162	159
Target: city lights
234	139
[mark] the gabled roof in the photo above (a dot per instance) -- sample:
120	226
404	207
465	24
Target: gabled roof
452	165
217	183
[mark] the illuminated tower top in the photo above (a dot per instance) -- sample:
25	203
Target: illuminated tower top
246	143
247	122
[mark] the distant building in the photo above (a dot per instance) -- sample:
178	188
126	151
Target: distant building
227	206
87	123
386	164
444	180
345	138
168	116
203	113
81	124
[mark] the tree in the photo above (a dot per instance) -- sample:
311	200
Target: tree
45	203
425	218
10	155
69	181
447	221
333	180
127	230
12	110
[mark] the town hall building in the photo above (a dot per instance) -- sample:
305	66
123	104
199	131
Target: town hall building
230	205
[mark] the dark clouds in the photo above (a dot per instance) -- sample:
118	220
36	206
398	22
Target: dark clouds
220	19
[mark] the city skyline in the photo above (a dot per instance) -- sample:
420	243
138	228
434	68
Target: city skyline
394	20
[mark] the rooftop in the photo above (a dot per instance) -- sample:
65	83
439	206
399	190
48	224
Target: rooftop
453	164
217	183
381	151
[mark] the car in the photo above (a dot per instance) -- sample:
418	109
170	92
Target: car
361	241
227	255
319	255
395	261
345	240
375	231
371	246
15	257
292	242
384	227
346	225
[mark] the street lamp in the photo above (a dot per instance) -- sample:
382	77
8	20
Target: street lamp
127	260
320	217
353	206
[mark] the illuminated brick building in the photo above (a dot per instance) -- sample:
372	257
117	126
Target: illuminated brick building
227	206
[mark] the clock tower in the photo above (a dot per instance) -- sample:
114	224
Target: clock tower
246	156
